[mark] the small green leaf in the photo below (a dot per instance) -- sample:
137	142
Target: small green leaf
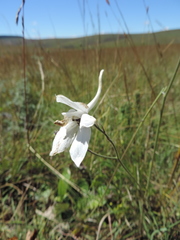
82	183
62	185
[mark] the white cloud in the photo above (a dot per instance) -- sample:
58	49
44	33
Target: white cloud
34	23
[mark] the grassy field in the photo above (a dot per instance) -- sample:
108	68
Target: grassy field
128	185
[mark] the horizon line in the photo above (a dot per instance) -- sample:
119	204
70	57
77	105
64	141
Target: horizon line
91	35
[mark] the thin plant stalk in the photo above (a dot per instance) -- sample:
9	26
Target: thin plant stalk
24	76
102	156
135	50
165	94
135	133
115	149
42	88
24	70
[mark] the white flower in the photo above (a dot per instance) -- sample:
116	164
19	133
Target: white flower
75	127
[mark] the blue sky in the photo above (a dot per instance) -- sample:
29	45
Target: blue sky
75	18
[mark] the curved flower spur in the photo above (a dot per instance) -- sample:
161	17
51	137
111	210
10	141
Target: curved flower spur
75	128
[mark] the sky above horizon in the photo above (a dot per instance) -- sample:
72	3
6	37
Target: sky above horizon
76	18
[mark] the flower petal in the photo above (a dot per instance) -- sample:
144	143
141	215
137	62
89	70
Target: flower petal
72	113
76	105
87	121
79	146
64	138
95	99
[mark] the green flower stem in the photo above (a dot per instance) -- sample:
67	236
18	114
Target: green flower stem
59	175
117	154
102	156
165	93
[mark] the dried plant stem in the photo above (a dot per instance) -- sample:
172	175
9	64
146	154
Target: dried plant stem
21	8
153	33
126	85
24	77
175	168
165	93
135	50
42	88
42	76
107	215
56	172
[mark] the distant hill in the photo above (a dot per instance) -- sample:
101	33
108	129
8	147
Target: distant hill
105	40
10	40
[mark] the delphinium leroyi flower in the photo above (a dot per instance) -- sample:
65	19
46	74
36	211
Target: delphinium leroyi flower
75	128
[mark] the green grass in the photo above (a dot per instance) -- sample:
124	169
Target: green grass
100	200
